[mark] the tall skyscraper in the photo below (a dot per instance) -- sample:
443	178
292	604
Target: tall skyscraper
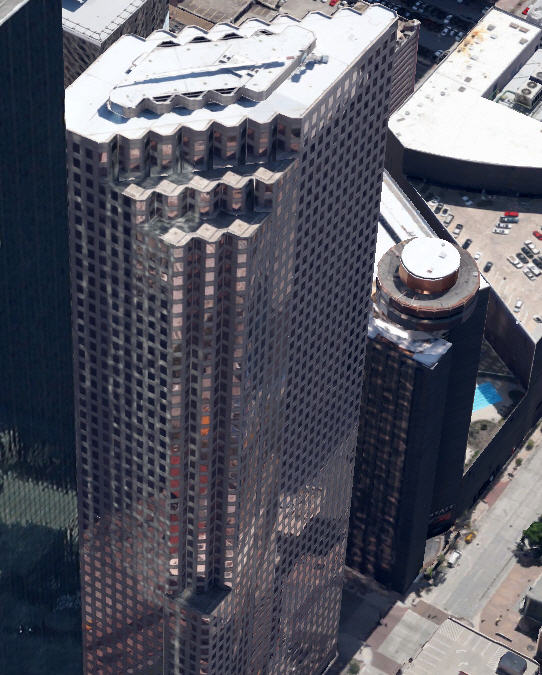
91	26
224	191
428	307
37	445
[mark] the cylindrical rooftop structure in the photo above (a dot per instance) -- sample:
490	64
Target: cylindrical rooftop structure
429	265
427	284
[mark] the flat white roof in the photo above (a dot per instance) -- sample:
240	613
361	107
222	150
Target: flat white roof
449	116
87	113
97	19
430	258
398	220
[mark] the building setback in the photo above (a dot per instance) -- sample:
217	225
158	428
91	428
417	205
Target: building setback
91	26
223	225
409	461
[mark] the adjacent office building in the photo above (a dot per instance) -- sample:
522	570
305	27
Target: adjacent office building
91	26
419	383
37	448
224	191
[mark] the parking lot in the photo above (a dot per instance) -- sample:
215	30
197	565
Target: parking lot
479	214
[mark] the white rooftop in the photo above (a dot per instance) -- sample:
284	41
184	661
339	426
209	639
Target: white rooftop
178	74
449	116
430	258
398	220
97	19
87	113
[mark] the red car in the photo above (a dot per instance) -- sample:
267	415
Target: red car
514	214
332	3
538	235
525	11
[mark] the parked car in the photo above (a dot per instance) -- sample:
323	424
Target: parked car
518	305
488	266
538	263
509	219
523	258
438	207
537	318
514	214
467	243
454	558
332	3
529	274
500	230
514	261
504	226
537	234
449	219
527	251
457	229
477	255
535	270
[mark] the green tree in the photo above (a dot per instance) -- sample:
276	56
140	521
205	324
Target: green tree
353	667
533	535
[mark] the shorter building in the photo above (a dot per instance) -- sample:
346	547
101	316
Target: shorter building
457	649
422	358
91	26
404	62
425	139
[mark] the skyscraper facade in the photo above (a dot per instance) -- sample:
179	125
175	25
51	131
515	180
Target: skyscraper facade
223	193
91	26
37	446
428	306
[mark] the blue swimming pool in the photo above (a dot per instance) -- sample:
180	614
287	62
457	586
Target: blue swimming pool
485	395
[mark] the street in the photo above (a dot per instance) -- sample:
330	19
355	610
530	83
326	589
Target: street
486	562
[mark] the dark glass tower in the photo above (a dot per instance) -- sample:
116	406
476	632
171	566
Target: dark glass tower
422	359
37	461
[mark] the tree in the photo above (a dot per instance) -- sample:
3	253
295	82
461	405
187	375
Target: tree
533	535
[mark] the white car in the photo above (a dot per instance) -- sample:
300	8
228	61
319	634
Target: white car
499	230
535	270
477	255
454	558
512	260
518	305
